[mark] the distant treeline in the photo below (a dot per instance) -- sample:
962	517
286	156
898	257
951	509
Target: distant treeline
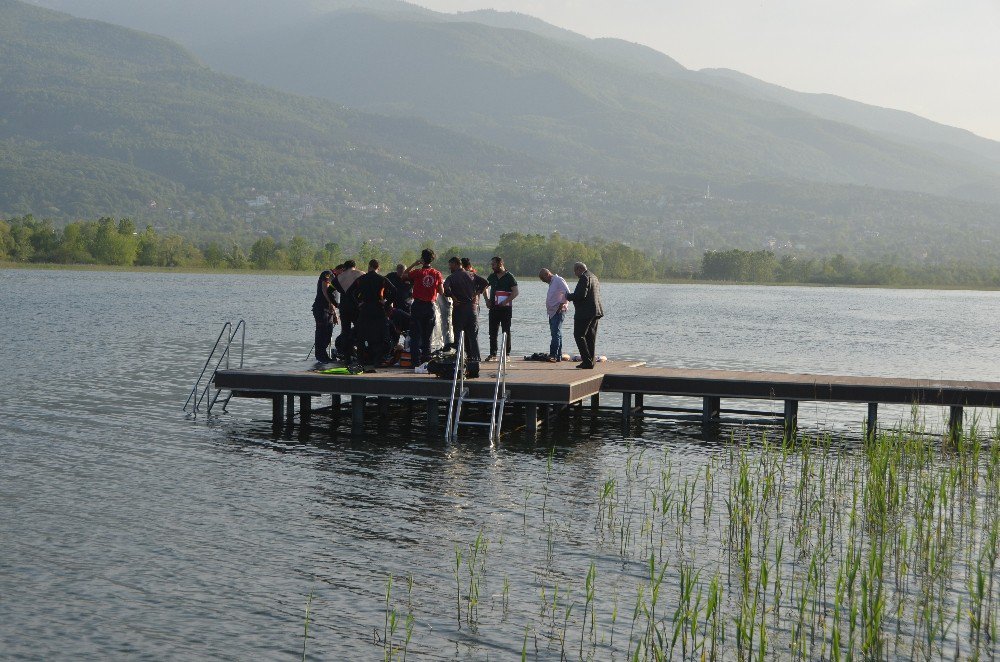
765	267
108	241
117	242
526	254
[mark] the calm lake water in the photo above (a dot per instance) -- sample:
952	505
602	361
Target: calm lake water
129	530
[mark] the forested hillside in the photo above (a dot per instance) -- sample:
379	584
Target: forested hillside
548	132
98	119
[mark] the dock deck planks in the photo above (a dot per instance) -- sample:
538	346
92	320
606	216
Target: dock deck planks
527	381
802	387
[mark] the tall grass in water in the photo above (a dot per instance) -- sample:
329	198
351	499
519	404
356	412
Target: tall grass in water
764	549
810	549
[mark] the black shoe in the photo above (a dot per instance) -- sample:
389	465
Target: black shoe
585	366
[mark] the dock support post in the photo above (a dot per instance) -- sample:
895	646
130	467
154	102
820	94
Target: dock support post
955	420
637	408
595	401
432	414
383	406
871	423
305	407
531	417
791	417
289	409
357	414
335	405
626	410
710	409
277	410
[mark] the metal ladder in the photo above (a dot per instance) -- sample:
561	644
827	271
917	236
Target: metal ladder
221	348
460	394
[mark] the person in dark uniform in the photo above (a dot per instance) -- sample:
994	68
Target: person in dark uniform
503	291
586	300
324	310
404	289
348	309
398	324
371	292
464	288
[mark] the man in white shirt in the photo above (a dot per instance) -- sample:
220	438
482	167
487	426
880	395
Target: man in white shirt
556	304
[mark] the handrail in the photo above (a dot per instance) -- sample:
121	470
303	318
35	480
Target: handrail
241	329
240	326
457	384
197	382
503	387
501	379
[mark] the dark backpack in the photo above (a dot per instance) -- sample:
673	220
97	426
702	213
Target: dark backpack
445	368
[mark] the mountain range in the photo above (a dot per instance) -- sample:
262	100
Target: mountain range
477	122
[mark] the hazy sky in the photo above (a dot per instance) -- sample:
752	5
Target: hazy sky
936	58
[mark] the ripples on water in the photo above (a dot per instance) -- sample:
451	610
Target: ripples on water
127	530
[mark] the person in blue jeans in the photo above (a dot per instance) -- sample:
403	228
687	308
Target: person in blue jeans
555	305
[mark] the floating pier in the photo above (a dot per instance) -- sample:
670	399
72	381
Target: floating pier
791	389
535	386
542	388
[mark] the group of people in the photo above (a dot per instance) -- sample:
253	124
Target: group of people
374	311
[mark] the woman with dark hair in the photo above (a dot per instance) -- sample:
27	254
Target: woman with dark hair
325	313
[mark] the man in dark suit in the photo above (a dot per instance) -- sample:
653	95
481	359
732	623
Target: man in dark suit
588	311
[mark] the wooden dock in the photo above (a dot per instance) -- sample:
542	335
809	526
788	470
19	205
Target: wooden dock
531	384
538	387
714	385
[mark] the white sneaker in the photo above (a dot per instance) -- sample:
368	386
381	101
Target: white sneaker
421	369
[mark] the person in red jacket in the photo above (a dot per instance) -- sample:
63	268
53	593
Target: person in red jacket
428	283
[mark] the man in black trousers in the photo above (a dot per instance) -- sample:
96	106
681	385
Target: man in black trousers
586	300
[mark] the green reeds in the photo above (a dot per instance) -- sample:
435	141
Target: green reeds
884	546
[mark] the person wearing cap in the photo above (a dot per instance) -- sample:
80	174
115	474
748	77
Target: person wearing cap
428	283
555	305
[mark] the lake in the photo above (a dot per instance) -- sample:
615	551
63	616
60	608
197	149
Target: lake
128	529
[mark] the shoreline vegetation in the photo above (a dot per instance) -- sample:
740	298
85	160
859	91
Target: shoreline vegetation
802	548
109	244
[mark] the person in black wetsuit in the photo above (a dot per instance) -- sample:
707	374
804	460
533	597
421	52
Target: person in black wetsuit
404	289
465	288
398	324
348	309
324	311
371	292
